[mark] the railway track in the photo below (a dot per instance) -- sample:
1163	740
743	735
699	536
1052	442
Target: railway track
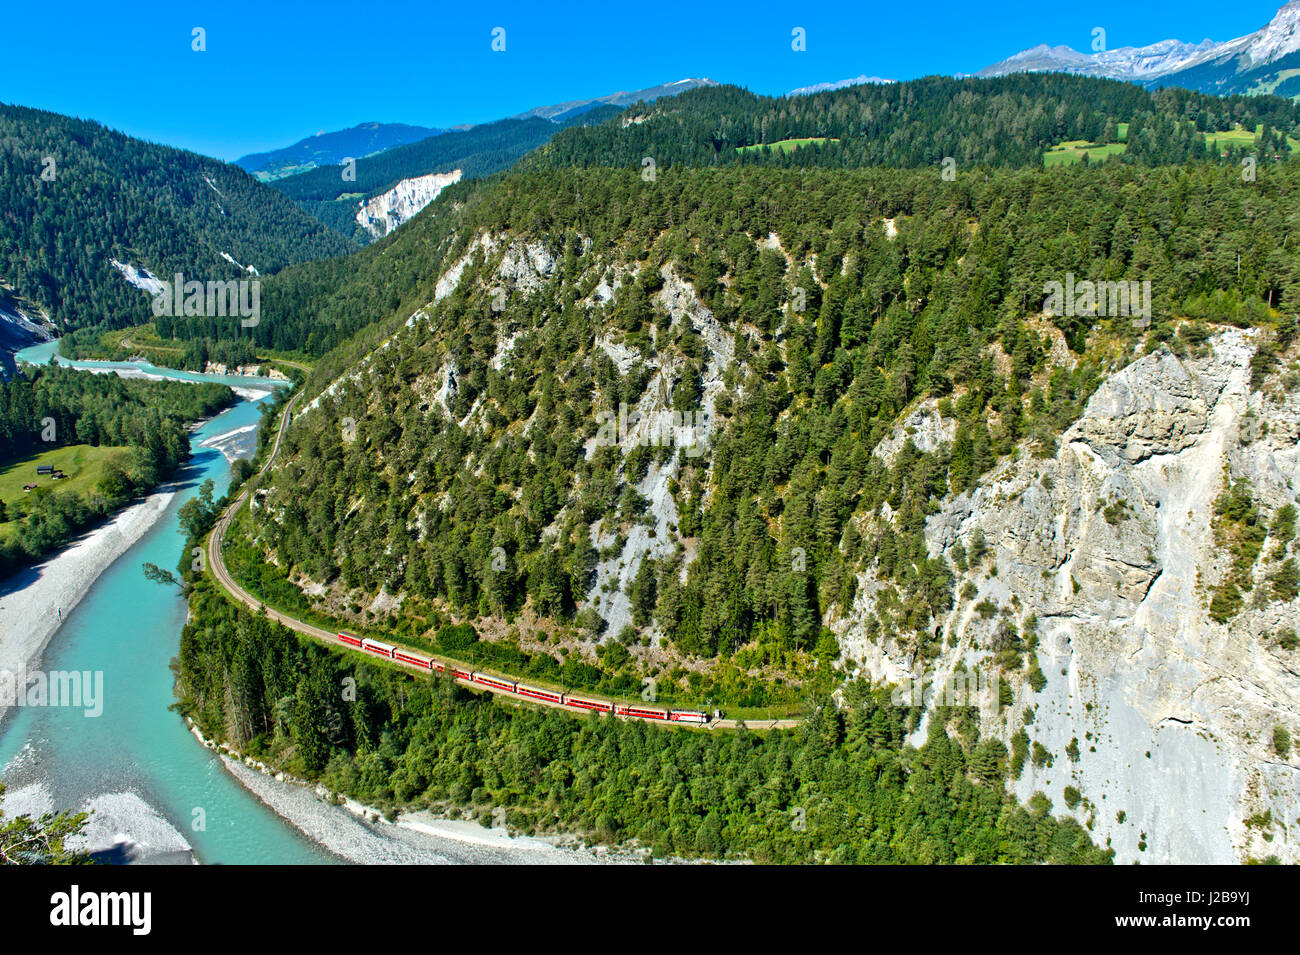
221	574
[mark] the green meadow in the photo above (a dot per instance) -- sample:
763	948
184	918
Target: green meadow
786	145
82	463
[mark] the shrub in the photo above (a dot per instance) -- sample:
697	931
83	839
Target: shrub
1282	741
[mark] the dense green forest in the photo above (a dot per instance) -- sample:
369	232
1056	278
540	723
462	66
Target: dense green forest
1008	121
432	486
843	788
76	195
51	407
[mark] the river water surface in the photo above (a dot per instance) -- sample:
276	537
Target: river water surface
137	764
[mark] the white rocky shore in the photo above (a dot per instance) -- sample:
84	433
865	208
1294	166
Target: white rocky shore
34	601
359	834
122	828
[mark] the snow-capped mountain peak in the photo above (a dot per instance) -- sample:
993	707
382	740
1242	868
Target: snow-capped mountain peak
1280	37
1233	66
838	85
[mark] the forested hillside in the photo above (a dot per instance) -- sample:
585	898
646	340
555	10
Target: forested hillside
317	306
842	789
1007	121
142	427
664	433
476	486
981	124
74	196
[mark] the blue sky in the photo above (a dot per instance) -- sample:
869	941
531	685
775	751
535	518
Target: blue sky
275	72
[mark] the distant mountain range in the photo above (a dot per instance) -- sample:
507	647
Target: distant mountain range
370	139
838	85
330	149
574	108
396	181
1266	61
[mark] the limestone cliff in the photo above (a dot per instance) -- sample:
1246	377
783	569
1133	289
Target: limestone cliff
1106	555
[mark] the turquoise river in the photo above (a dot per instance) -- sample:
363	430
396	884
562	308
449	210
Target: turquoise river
129	628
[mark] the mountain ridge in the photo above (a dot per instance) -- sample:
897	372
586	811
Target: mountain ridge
331	148
1247	64
372	138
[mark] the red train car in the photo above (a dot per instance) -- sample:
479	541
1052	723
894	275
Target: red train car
602	706
634	711
551	696
641	712
412	658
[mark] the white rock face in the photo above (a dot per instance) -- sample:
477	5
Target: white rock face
246	268
525	267
450	278
614	575
924	426
383	213
142	279
1173	713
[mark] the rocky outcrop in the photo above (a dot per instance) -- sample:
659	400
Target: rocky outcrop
1158	717
381	214
245	371
652	422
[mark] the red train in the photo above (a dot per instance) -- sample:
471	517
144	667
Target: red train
501	685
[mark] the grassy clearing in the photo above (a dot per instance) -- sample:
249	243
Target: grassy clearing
82	463
1240	138
1072	151
786	145
1232	139
138	338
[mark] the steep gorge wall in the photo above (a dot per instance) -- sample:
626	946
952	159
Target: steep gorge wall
1172	712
